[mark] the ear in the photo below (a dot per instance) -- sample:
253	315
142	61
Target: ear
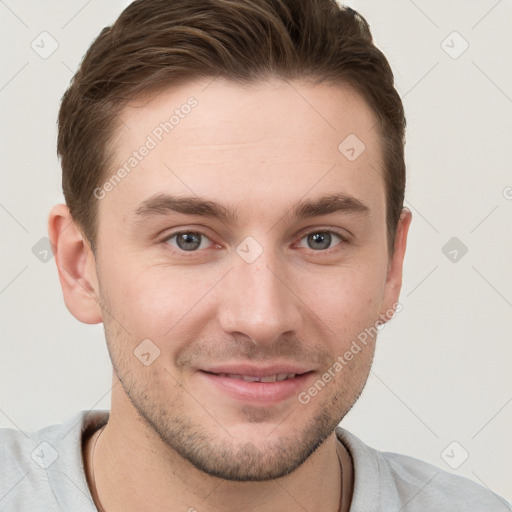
395	266
76	266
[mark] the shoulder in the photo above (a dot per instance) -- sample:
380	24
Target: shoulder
22	478
38	470
432	486
388	481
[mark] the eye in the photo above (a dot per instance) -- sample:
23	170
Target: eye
189	241
193	241
321	240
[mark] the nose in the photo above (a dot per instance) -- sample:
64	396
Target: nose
259	300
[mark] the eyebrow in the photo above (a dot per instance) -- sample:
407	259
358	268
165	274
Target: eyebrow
163	204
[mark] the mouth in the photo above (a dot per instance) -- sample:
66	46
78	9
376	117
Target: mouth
258	386
251	378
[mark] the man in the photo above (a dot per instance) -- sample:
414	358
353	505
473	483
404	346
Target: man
234	180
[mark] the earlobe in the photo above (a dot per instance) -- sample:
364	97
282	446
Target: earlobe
395	268
76	266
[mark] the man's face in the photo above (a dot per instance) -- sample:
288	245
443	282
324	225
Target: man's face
267	289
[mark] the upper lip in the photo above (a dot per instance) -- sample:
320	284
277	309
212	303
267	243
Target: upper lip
257	371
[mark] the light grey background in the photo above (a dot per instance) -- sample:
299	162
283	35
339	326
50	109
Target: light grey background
442	368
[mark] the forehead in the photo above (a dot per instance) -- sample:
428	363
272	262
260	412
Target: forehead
270	142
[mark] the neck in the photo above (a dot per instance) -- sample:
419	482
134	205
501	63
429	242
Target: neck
135	470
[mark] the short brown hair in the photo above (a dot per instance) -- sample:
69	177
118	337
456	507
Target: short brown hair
157	44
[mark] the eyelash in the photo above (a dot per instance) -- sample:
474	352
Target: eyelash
343	240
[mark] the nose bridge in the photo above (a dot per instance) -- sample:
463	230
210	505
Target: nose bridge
258	302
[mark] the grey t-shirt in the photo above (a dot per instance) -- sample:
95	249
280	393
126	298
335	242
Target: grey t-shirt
44	472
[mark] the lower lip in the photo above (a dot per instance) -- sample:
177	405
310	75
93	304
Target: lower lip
262	392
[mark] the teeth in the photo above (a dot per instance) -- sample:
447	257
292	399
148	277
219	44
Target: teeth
250	379
269	378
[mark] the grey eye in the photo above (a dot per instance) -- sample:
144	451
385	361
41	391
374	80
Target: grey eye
188	240
320	240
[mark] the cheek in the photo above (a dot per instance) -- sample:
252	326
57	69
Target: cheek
159	301
348	299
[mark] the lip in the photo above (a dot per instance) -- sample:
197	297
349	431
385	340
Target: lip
259	393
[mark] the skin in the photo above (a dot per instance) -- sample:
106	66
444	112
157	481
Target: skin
172	441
